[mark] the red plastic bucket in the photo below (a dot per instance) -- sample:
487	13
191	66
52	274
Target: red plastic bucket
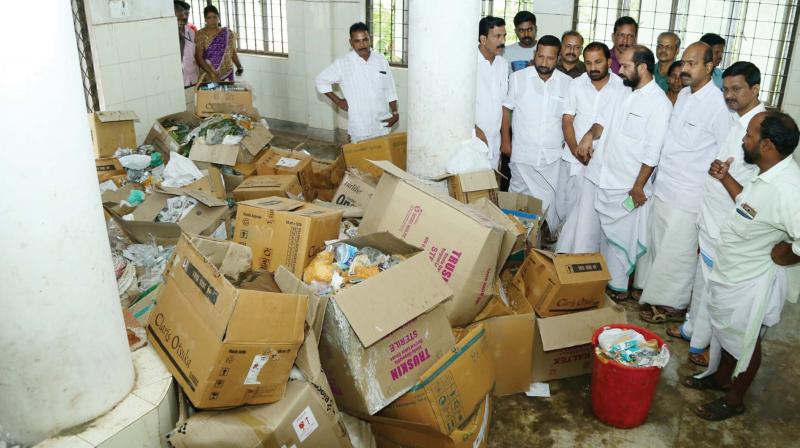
622	395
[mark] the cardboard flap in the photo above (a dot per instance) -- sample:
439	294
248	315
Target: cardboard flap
275	203
290	284
394	170
229	108
264	316
385	242
108	116
118	195
149	209
478	180
204	197
256	139
144	232
546	254
201	217
221	154
268	181
308	357
574	329
229	258
384	303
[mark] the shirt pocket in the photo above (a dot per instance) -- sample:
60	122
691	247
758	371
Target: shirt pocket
694	137
556	106
634	126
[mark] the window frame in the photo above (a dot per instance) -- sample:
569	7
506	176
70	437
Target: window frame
233	19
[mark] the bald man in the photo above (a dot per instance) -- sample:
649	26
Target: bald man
698	128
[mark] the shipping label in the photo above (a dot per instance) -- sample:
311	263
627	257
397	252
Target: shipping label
259	361
305	424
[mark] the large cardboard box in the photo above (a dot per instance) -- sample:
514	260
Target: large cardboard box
562	345
393	433
449	391
381	335
328	172
515	232
225	345
159	135
282	161
257	187
283	231
391	148
112	129
354	191
469	187
557	284
206	99
461	242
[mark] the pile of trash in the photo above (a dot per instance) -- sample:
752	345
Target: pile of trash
143	165
341	265
630	348
225	87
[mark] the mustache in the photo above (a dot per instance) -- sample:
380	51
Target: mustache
501	46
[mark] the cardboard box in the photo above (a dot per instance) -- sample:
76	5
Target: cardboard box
159	135
393	433
328	171
562	344
257	187
354	191
556	284
449	391
469	187
530	212
514	235
382	334
107	168
225	345
391	148
281	161
283	231
112	130
462	243
205	99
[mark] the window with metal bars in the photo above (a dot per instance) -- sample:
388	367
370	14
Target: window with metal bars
387	21
759	31
260	25
85	56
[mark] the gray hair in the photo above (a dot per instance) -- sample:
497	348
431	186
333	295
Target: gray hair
674	35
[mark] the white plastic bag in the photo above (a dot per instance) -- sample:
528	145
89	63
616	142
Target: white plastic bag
180	171
472	155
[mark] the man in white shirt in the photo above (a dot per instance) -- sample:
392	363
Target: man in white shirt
589	94
366	80
636	123
698	128
537	95
741	86
520	54
491	85
747	286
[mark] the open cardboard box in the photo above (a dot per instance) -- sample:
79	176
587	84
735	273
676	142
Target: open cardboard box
391	148
258	187
468	187
207	101
274	161
355	190
112	129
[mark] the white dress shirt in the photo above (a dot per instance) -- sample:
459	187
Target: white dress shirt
698	128
767	212
538	106
368	86
717	203
491	90
586	103
634	126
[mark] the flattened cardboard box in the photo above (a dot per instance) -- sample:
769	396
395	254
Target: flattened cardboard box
282	231
393	433
280	161
391	148
205	100
562	344
257	187
556	284
112	129
226	346
160	137
450	390
354	191
381	335
461	242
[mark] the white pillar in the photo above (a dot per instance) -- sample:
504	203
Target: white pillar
64	356
442	55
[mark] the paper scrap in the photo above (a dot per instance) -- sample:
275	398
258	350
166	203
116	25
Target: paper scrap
539	390
287	162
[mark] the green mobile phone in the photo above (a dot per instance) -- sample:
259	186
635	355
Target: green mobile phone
628	204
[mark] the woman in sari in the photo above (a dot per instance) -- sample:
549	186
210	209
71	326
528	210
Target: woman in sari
216	49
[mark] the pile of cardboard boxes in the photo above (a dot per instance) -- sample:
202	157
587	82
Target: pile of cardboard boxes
474	310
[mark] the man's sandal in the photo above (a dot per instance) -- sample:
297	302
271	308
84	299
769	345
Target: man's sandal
636	294
616	296
699	359
718	410
660	314
707	383
676	331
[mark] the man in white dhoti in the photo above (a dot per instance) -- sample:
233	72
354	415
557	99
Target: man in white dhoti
748	283
636	123
537	95
491	85
589	95
698	128
741	86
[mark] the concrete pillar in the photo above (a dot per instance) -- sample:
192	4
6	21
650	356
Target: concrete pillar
64	356
442	55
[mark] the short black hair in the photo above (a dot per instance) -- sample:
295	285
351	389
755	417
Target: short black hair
181	4
524	16
751	73
708	55
712	39
643	55
549	41
781	130
358	26
489	22
571	33
675	65
210	8
626	20
595	46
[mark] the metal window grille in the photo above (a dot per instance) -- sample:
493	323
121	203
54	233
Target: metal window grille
506	9
387	21
260	25
85	56
759	31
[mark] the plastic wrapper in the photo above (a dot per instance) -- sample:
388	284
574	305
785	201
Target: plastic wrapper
150	261
341	265
135	161
180	171
630	348
176	209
